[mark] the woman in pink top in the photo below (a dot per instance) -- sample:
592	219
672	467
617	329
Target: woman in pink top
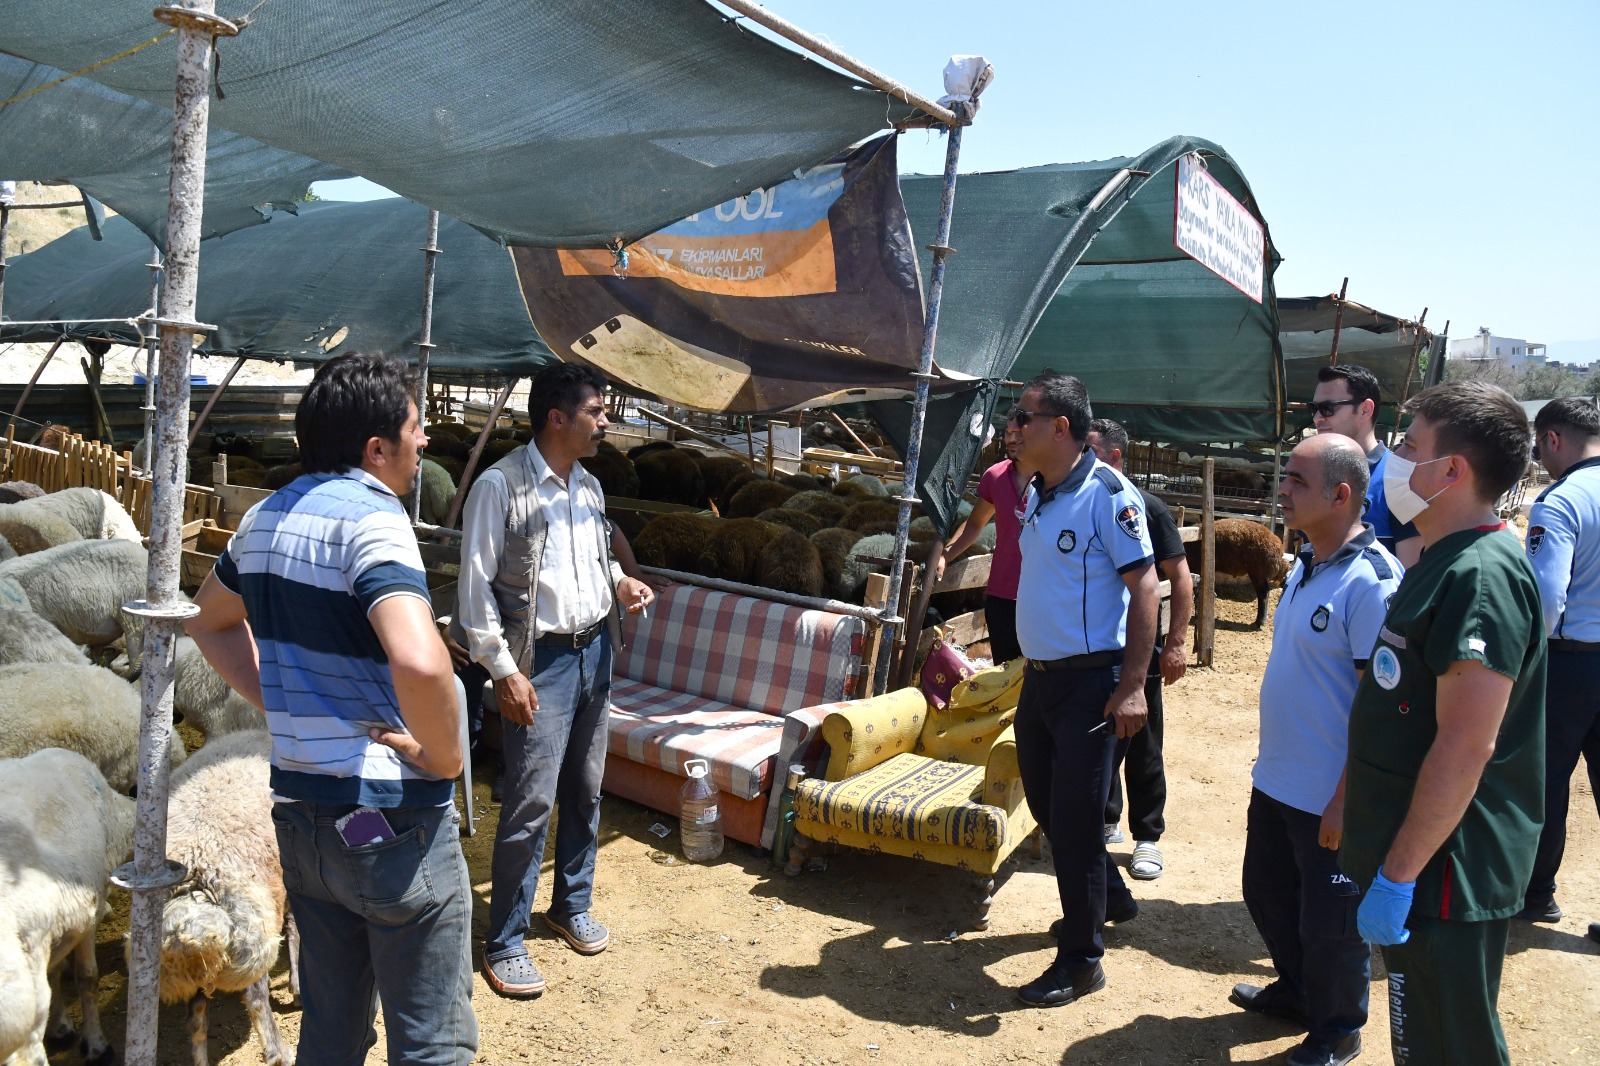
1000	492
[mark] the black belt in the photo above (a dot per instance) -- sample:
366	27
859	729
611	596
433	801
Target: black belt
1563	644
1093	661
576	641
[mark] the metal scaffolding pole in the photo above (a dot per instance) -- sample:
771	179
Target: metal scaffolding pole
892	622
151	343
430	252
151	874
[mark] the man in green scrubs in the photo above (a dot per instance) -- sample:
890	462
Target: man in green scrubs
1445	791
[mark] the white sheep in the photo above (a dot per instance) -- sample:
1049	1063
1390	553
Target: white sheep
81	708
6	550
12	596
62	831
221	929
96	515
28	531
81	586
25	637
200	695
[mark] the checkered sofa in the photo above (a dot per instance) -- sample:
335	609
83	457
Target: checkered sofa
744	683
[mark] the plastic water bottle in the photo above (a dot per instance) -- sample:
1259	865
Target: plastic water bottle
700	817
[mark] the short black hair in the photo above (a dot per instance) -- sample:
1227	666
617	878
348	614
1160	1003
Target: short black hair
1346	466
559	387
1064	395
1570	414
1362	383
1112	435
1483	424
351	399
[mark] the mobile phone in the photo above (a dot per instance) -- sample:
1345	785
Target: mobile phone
364	825
1103	727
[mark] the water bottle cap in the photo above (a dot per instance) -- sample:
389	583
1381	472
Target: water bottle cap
697	768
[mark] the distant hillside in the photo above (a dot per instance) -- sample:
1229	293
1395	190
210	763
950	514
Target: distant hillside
30	230
1575	351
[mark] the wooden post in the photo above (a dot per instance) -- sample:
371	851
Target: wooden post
1205	638
477	453
205	412
914	617
1338	322
93	368
877	597
846	427
27	390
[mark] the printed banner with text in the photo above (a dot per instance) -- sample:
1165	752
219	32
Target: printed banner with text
791	296
1218	231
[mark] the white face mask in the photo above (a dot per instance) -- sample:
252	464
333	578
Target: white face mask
1402	499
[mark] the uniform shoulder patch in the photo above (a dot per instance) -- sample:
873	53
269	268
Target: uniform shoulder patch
1380	565
1535	539
1131	519
1108	479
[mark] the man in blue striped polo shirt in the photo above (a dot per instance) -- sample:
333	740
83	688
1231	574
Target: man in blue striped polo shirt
319	614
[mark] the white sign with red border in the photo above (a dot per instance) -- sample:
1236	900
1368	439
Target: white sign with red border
1218	231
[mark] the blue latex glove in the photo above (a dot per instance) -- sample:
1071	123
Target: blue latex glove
1383	911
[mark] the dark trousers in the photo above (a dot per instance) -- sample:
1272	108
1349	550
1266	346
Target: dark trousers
1305	910
1444	993
556	762
1572	728
1000	616
1139	759
1065	775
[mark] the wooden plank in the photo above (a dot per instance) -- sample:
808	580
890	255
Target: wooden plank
1189	534
194	567
441	553
963	629
877	595
1205	637
694	434
969	572
624	503
236	500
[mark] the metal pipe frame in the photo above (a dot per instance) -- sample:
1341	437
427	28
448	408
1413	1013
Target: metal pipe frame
477	453
150	875
205	412
152	338
5	231
892	623
430	252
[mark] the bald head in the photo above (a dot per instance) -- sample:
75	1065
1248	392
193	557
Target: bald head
1339	460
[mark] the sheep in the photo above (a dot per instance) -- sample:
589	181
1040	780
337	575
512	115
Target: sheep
27	638
6	550
873	485
734	548
29	531
17	491
81	708
825	505
719	470
670	475
864	512
833	548
96	515
62	831
799	521
278	476
614	471
1248	482
1250	550
805	482
447	446
673	541
867	555
731	488
81	586
452	466
496	450
650	446
756	496
631	523
12	596
199	694
221	930
789	563
437	491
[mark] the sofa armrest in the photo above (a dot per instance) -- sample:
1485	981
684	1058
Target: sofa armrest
1002	776
863	733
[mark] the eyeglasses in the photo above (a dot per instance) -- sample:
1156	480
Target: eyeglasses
1021	416
1326	408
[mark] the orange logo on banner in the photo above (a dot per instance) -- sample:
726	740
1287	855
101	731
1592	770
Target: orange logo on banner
774	263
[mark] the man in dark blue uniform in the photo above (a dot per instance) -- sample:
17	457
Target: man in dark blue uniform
1346	402
1086	601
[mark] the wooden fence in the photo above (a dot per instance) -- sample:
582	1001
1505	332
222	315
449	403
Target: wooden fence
77	462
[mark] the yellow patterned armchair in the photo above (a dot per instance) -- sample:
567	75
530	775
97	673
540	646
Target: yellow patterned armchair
908	778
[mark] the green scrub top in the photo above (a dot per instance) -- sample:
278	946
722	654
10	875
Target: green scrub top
1471	596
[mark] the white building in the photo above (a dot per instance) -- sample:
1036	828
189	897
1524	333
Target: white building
1486	347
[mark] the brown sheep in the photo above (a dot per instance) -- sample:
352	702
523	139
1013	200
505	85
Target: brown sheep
865	512
673	541
719	470
1246	549
799	521
250	477
805	482
496	450
648	447
454	430
1250	482
670	475
446	445
614	471
734	549
833	548
17	491
757	496
279	476
851	490
731	487
790	563
631	523
454	467
827	507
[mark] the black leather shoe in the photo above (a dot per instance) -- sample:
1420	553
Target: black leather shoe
1058	986
1271	1001
1548	911
1594	932
1312	1052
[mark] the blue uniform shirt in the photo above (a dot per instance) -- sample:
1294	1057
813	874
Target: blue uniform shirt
1323	632
1375	512
1564	548
1077	541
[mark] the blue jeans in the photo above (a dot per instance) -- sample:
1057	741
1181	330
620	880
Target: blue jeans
557	761
393	918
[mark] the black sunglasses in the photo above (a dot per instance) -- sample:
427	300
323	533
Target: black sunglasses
1021	416
1325	408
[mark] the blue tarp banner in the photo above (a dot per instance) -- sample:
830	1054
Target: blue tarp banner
793	295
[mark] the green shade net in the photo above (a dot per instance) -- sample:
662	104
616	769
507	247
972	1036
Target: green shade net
563	123
1382	343
1040	281
117	148
286	290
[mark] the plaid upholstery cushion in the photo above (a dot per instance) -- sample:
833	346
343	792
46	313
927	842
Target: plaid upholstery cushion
665	729
740	650
908	798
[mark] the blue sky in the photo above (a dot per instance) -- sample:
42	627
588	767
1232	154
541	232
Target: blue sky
1440	154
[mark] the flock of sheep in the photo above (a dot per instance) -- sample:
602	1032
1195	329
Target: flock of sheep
69	737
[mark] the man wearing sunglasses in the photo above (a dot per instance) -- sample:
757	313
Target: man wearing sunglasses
1086	601
1346	402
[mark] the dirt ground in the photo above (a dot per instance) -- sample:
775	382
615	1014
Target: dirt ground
870	960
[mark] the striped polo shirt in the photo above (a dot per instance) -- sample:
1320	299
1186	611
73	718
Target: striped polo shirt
310	562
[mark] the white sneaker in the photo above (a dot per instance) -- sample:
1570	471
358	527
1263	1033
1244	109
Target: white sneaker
1114	834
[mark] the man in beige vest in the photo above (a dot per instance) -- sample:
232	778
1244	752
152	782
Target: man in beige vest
538	582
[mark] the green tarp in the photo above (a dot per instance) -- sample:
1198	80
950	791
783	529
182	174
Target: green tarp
1382	343
563	123
338	277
